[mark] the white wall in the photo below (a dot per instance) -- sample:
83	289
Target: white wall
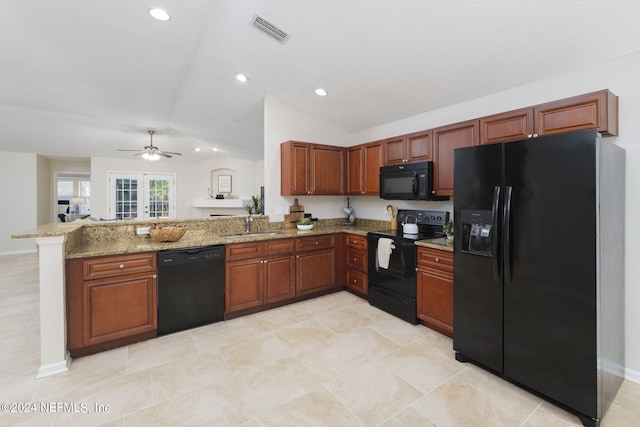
19	173
283	122
44	196
621	77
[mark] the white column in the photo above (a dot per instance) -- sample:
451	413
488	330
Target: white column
54	357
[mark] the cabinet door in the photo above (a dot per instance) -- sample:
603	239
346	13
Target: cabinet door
355	170
294	168
279	278
446	139
357	281
505	127
593	110
243	284
119	307
395	150
327	170
356	259
435	300
419	146
373	159
315	271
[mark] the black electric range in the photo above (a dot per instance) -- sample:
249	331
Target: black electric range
392	283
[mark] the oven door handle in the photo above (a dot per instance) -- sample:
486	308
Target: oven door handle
414	184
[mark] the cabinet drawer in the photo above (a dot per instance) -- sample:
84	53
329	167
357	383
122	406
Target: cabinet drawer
243	250
278	246
97	268
356	241
357	280
356	259
315	242
433	258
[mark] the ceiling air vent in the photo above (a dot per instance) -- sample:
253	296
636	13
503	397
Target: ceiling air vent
270	29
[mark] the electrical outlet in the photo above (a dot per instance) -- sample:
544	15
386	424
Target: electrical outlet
142	230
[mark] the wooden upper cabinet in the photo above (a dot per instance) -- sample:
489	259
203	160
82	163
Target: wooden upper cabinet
408	148
446	139
363	168
504	127
593	110
311	169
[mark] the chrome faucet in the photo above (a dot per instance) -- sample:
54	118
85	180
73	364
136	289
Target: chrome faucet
247	228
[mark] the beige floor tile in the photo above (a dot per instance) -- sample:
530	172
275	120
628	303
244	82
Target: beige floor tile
502	390
341	299
155	352
372	312
308	309
364	345
558	412
401	332
123	395
419	367
317	365
185	375
26	419
197	408
408	418
221	333
373	393
541	418
344	321
438	342
625	409
269	320
18	388
253	352
456	403
23	361
85	371
304	334
255	392
317	408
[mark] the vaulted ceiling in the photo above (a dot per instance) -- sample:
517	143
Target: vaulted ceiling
87	77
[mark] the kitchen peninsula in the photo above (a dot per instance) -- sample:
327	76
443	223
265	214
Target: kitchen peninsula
62	243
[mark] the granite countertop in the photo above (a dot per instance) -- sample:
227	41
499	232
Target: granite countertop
193	238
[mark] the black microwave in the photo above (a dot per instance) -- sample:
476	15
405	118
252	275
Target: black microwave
408	181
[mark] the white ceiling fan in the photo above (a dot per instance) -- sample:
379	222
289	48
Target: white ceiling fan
151	152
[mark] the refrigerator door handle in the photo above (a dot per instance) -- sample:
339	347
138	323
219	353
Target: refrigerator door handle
506	233
494	244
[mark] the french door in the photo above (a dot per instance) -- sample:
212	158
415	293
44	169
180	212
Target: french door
141	196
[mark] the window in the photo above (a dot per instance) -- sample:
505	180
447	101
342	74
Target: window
141	196
77	190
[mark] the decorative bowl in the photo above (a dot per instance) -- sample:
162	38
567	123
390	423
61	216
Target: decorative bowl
304	227
167	233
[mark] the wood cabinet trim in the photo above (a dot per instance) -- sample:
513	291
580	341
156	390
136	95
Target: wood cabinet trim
119	265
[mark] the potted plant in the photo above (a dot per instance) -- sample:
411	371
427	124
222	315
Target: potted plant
447	227
304	224
253	206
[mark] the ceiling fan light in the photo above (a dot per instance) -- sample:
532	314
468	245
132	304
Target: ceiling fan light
153	157
145	156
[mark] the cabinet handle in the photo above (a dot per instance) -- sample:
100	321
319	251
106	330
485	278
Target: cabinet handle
121	265
355	259
530	136
535	135
155	276
433	191
437	259
316	242
355	281
266	261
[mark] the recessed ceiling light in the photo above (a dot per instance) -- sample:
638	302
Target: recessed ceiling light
321	92
159	14
241	77
197	148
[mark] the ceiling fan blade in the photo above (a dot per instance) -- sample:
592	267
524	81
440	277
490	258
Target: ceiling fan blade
163	154
126	150
170	152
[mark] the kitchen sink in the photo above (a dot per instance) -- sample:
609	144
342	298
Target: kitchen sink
239	236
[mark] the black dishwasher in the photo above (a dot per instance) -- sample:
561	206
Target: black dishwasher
190	288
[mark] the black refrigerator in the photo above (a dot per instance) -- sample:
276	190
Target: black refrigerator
538	289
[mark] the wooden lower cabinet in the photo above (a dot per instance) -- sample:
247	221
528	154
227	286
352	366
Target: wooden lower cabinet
259	273
434	281
315	271
111	301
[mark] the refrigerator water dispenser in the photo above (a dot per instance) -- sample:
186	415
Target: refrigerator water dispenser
477	232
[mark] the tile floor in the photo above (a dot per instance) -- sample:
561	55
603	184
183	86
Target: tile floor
333	361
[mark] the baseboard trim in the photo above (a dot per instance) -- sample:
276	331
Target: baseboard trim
631	375
54	368
24	251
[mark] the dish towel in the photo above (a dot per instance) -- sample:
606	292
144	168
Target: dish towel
385	246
